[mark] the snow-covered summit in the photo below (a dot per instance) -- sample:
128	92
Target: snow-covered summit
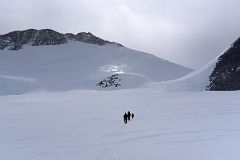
17	39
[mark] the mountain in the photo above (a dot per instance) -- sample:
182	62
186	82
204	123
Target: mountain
17	39
63	62
222	74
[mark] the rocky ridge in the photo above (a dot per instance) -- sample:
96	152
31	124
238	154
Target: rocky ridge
17	39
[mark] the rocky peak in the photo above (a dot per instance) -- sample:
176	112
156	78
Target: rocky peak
17	39
70	36
226	74
14	40
48	37
90	38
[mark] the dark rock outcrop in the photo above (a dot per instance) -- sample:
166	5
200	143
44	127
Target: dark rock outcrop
17	39
48	37
226	74
112	81
90	38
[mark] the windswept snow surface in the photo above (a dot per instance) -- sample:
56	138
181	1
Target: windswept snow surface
77	65
11	85
88	125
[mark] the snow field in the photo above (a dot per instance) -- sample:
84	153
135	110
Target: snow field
89	125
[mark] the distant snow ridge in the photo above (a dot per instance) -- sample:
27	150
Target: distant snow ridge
195	81
11	85
17	39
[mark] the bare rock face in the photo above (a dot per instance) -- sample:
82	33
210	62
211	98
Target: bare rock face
226	74
17	39
90	38
48	37
112	81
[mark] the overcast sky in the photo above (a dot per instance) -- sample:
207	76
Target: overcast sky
188	32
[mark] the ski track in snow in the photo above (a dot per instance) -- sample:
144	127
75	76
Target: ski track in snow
88	125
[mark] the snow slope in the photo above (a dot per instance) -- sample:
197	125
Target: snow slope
194	81
78	65
88	125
